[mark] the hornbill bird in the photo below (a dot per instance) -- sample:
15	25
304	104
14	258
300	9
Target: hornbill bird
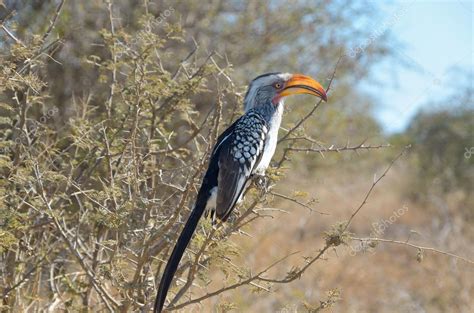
241	151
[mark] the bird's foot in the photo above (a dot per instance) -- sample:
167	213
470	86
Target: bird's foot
262	182
211	214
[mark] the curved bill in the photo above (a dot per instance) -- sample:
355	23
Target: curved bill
302	84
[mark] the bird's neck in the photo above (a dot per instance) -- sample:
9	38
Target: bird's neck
272	113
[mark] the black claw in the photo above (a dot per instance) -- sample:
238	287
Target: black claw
262	182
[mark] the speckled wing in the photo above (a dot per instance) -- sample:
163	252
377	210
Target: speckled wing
237	160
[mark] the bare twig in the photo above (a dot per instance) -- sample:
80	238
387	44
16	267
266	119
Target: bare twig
294	200
422	248
333	148
7	31
114	62
53	21
11	35
375	182
233	286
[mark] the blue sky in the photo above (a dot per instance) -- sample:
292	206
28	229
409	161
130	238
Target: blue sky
436	36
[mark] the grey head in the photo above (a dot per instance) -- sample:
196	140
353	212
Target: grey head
267	91
263	89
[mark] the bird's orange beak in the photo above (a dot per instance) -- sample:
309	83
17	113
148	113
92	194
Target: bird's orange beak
302	84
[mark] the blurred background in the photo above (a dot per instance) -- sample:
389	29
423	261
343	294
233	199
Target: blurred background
405	77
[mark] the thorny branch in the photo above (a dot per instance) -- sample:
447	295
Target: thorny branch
333	148
233	286
106	297
375	182
420	248
53	21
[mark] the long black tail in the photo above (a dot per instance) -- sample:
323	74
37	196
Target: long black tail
178	252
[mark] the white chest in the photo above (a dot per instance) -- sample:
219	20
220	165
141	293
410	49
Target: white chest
270	142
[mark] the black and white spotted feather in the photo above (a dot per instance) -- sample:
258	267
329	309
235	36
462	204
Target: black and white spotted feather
238	157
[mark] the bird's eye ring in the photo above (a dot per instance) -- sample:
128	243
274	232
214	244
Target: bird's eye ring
278	85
